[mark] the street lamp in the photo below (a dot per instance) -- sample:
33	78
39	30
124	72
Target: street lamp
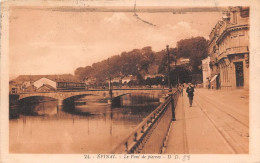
169	83
163	83
169	69
177	73
109	84
175	66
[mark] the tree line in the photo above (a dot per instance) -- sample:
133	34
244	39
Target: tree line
140	62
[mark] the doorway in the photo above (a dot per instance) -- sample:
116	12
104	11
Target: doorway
218	82
239	74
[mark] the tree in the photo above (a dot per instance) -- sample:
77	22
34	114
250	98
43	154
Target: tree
83	72
163	64
195	49
139	62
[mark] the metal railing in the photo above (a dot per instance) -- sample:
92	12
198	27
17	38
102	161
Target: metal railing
149	137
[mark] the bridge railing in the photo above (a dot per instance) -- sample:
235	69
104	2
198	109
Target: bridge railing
91	90
151	134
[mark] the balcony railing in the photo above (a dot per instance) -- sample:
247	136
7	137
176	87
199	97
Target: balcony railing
233	50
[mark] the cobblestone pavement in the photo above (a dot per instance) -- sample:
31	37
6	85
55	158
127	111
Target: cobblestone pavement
217	123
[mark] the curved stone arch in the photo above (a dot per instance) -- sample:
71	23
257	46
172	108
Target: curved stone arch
39	95
75	95
28	98
56	95
60	96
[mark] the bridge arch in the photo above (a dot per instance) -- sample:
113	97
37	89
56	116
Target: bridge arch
78	95
61	96
33	96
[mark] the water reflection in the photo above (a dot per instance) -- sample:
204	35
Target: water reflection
38	106
82	125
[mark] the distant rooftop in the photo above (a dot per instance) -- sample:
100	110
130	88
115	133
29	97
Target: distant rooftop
57	78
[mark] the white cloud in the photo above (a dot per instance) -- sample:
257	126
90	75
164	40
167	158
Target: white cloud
183	25
116	18
182	30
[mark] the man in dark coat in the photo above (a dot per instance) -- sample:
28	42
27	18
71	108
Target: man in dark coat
190	92
180	88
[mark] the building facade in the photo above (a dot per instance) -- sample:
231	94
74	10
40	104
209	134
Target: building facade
45	85
46	88
229	50
206	72
45	81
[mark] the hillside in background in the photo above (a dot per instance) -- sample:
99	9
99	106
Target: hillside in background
141	62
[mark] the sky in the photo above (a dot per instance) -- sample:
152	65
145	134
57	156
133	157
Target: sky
47	41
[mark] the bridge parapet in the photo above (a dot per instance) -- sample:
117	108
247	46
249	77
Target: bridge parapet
150	135
104	93
62	95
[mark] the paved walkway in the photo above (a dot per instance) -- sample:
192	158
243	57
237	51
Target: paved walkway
217	123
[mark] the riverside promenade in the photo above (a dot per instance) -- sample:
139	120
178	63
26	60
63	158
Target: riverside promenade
217	123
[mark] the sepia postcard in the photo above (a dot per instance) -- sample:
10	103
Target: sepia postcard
129	81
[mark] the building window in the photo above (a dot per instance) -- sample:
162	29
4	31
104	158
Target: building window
244	13
242	33
225	75
234	17
235	41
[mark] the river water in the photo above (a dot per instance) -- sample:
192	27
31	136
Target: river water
87	126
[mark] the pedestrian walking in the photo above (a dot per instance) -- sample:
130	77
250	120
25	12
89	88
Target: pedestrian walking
190	92
209	86
181	89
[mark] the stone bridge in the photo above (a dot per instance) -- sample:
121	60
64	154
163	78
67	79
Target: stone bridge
117	93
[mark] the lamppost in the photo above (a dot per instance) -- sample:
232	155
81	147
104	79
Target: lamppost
177	73
169	83
169	69
163	83
109	84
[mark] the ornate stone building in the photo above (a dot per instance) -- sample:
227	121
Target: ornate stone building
206	71
229	50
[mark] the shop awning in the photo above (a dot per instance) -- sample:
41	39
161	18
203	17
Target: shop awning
214	77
